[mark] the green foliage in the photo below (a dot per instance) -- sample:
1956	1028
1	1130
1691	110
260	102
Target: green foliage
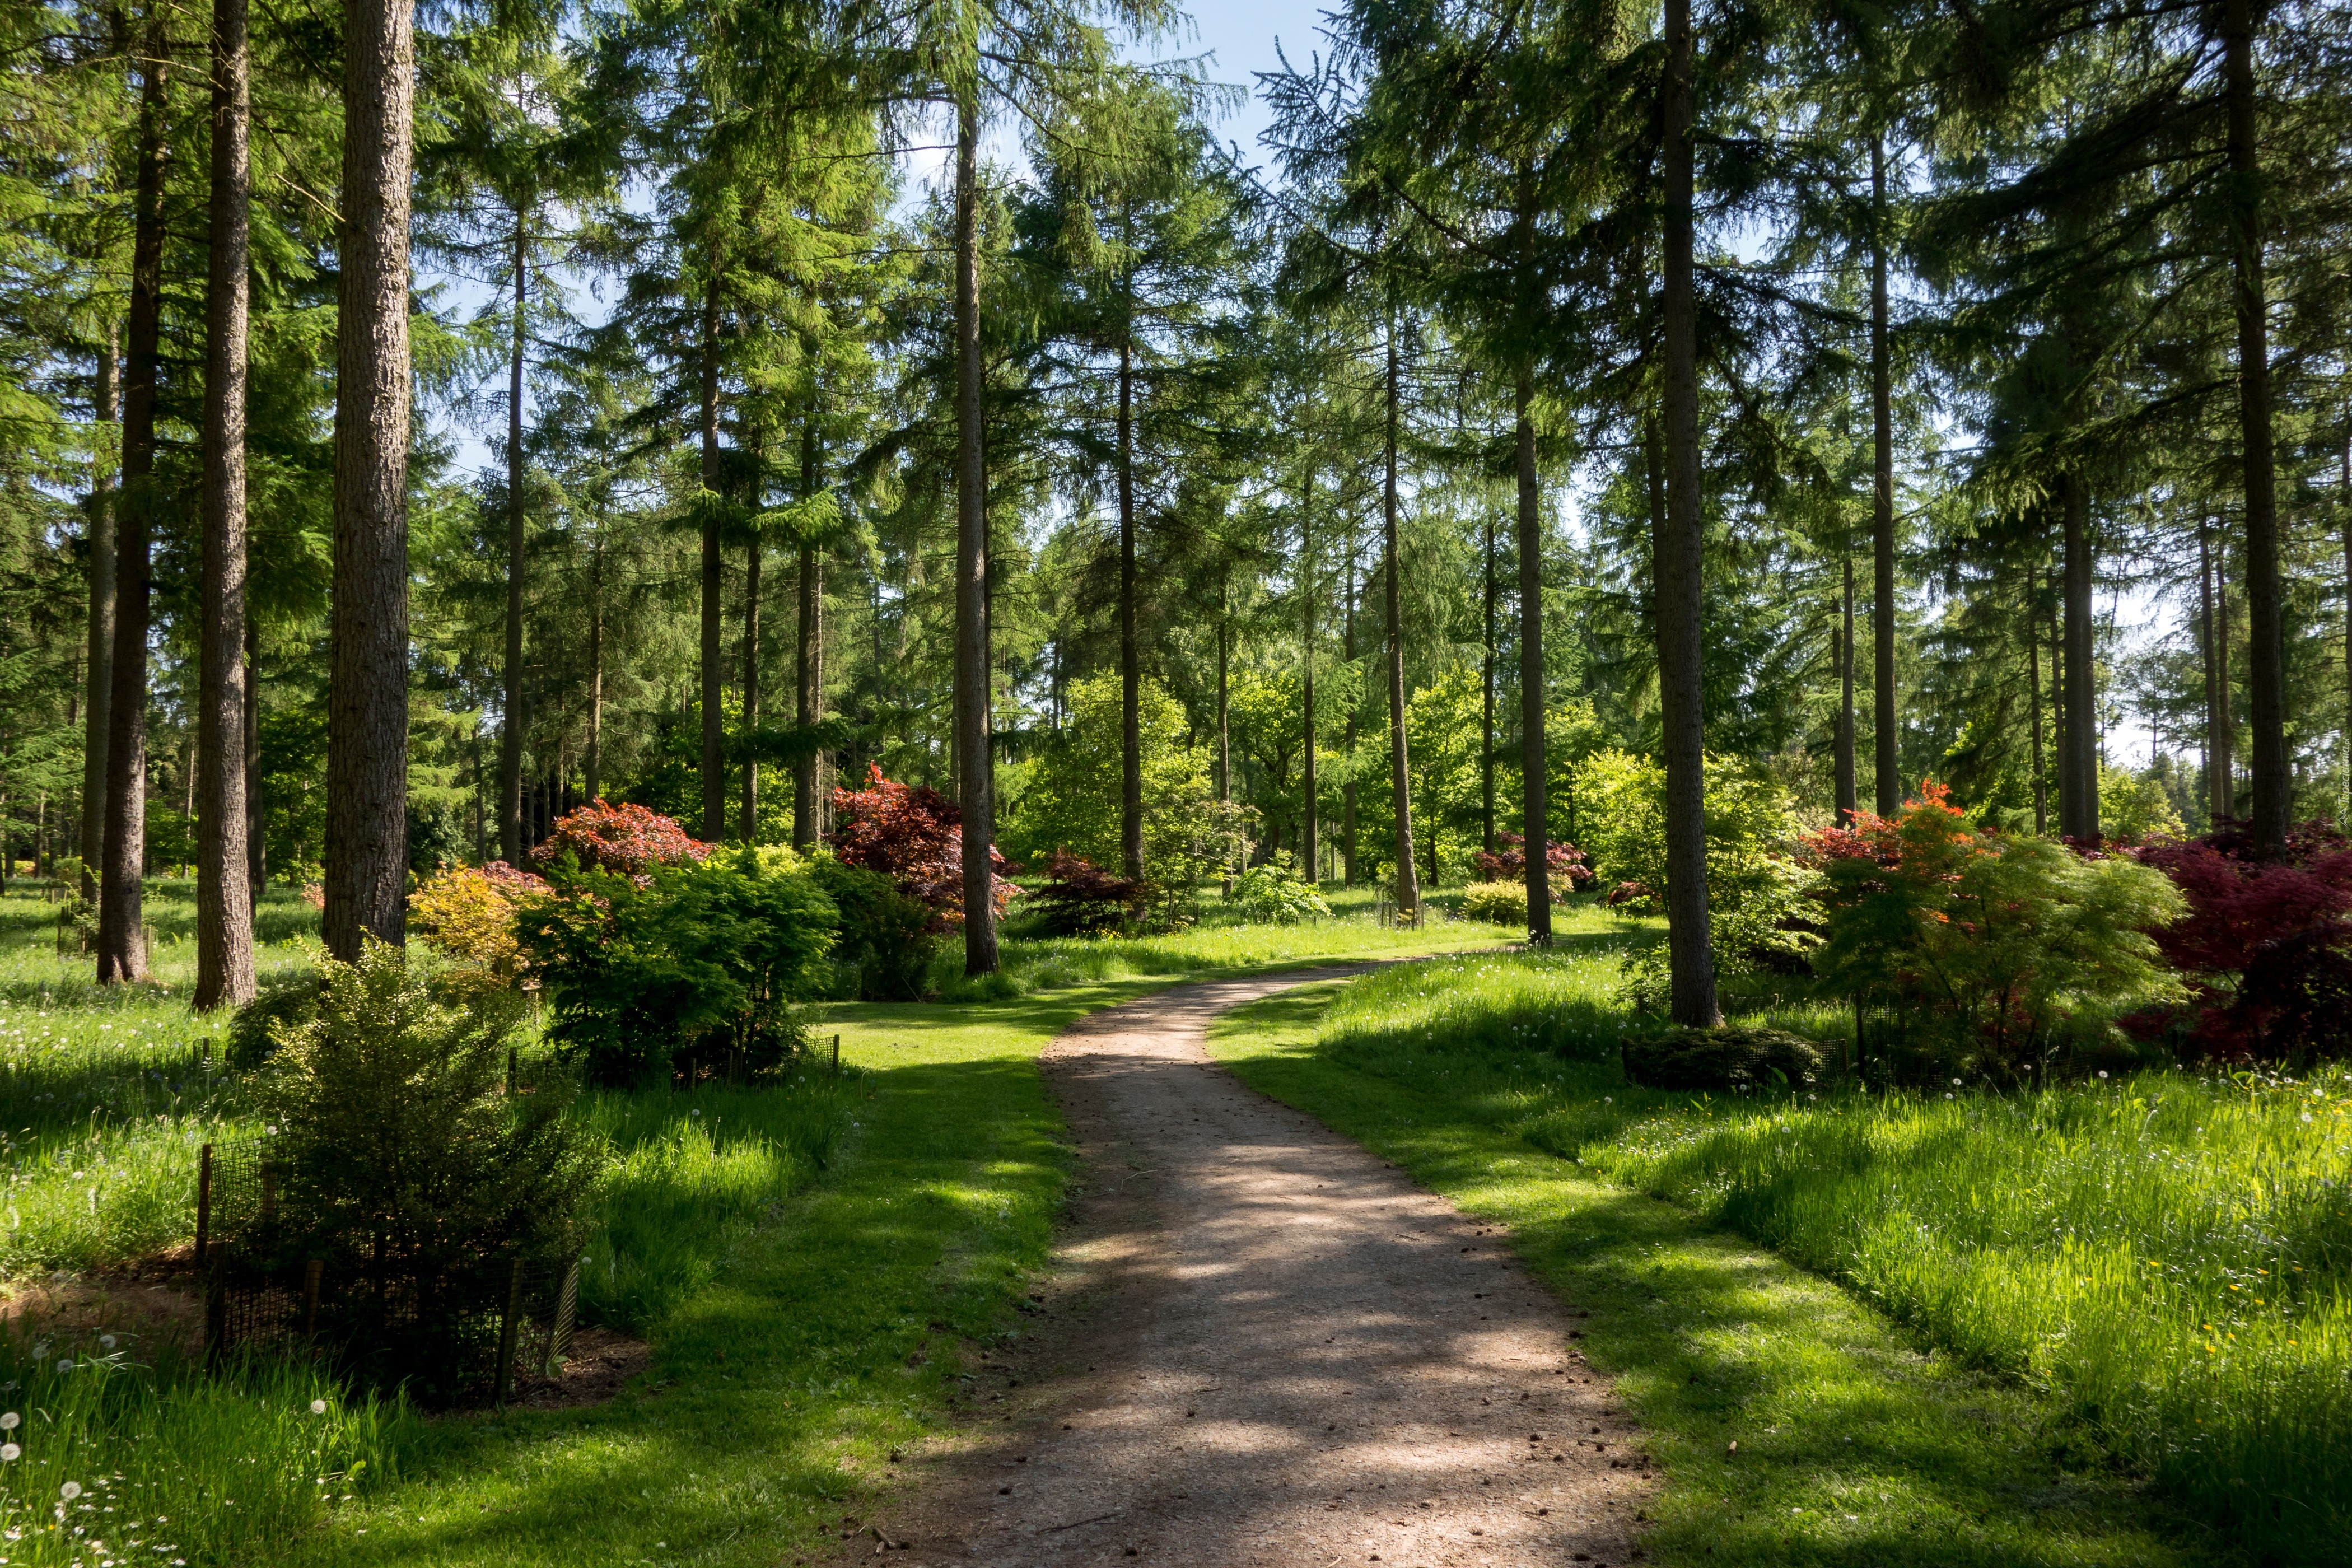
1273	893
2135	807
695	969
886	944
1503	903
281	1002
1998	948
1737	1057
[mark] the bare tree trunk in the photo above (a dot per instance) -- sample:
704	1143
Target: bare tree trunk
1310	841
748	811
1535	809
1130	675
808	669
1680	605
121	953
714	731
367	743
224	890
976	788
1486	693
1849	800
1224	735
2265	636
510	733
1886	733
1348	648
2033	695
1408	876
2344	501
2078	742
595	761
99	677
257	842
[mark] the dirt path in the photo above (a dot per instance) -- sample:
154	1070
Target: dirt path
1265	1345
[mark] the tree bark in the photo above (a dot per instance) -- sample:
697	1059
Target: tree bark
99	677
1310	839
2078	742
1534	809
224	890
1680	605
1885	734
808	665
1408	876
1849	800
122	953
594	759
2033	696
714	719
367	742
748	807
256	841
976	786
2266	636
1487	692
510	844
1130	674
1348	649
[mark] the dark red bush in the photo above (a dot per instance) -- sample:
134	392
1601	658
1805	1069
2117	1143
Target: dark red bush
1565	863
2266	945
914	835
1081	898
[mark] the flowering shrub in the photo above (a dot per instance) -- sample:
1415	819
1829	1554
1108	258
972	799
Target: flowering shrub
468	913
1996	946
1564	866
1274	893
2267	943
913	836
1082	898
629	839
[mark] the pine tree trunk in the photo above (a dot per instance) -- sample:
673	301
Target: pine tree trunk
1224	735
1130	675
2033	701
748	808
1886	733
1849	801
1348	786
1534	809
367	739
1408	881
808	669
976	785
511	732
1310	839
121	953
714	719
1486	693
1680	605
2265	636
224	890
99	677
595	761
2078	740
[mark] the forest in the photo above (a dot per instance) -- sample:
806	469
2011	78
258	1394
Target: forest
1783	567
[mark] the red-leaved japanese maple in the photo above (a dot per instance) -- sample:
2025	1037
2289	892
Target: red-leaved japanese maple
630	839
914	835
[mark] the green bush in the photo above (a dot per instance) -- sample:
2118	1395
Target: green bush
1735	1057
1274	893
1503	903
282	1002
886	944
689	967
402	1160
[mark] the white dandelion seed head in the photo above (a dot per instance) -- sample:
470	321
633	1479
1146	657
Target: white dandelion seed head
64	1363
2102	1072
318	1407
106	1341
9	1453
70	1490
10	1421
1956	1083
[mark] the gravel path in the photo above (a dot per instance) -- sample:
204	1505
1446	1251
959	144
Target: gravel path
1262	1344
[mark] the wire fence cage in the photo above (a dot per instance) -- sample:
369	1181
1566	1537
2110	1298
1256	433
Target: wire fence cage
455	1327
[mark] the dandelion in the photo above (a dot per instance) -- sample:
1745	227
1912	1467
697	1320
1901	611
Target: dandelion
106	1341
318	1407
10	1421
70	1490
64	1363
2102	1072
9	1453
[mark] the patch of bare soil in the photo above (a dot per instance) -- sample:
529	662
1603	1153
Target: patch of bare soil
1261	1345
597	1365
151	1303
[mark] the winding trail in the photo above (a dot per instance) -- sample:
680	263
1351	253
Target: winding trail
1263	1345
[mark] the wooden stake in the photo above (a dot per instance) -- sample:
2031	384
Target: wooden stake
507	1332
204	1202
312	1272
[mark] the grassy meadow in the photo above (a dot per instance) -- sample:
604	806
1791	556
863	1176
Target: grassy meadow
2158	1263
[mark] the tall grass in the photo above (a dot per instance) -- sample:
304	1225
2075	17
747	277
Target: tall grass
2167	1255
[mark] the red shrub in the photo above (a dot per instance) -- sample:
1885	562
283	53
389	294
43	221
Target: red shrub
1565	863
913	836
2267	943
1081	898
626	838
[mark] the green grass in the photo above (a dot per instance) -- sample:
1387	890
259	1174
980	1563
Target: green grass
2059	1254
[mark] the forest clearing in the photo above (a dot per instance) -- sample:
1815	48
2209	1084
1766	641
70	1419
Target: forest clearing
1435	784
